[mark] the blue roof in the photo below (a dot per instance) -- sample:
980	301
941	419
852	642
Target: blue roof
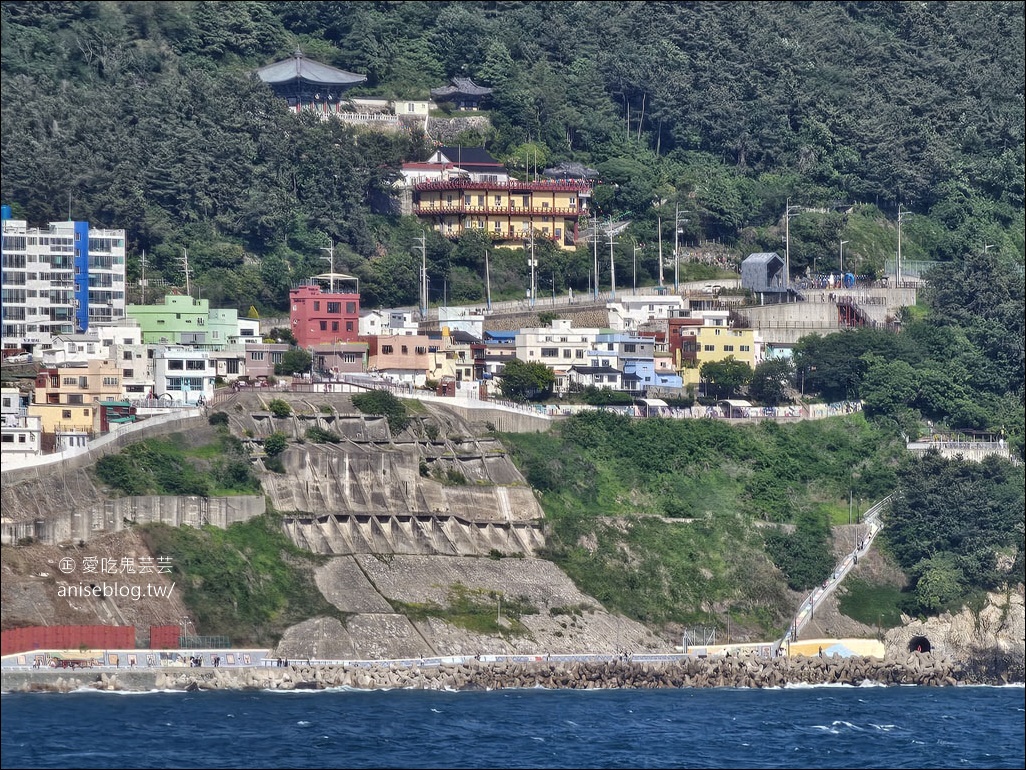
500	336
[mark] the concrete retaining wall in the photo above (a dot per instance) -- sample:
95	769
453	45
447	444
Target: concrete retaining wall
115	515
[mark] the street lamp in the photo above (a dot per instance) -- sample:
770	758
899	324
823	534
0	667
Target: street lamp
842	258
612	264
897	267
637	248
789	211
678	220
532	263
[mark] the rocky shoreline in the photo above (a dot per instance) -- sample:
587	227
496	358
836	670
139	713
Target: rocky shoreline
925	669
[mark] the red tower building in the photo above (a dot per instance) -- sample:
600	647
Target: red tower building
325	309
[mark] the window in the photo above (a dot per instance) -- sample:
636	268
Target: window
126	356
65	414
334	326
349	326
128	373
75	398
196	365
350	308
386	350
110	380
324	326
256	355
334	308
175	365
630	347
549	352
317	306
728	348
709	348
746	348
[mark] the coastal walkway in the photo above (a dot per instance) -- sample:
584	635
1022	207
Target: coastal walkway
807	609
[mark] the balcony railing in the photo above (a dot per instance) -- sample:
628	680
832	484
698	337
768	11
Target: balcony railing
501	210
543	185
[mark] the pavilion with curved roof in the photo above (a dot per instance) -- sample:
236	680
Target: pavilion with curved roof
306	83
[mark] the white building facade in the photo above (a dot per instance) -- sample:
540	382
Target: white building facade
58	280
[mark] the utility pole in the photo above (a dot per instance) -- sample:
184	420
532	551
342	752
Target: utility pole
330	259
841	257
676	248
185	264
423	276
789	212
595	239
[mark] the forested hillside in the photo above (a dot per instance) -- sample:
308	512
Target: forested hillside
146	116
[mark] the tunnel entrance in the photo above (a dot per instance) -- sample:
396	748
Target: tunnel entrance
919	644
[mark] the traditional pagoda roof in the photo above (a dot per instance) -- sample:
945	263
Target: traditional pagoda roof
299	67
460	87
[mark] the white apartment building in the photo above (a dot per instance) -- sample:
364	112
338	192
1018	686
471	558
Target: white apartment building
59	280
183	374
558	346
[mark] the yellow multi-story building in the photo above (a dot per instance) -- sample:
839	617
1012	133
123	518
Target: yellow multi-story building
509	212
708	337
67	398
461	189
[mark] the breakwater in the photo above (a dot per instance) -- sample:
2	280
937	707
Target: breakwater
754	672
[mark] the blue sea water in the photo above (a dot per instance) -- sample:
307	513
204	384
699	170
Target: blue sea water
806	727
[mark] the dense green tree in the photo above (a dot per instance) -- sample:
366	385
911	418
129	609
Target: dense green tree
770	381
526	380
294	361
725	378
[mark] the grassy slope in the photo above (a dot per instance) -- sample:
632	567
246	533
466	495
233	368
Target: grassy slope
664	520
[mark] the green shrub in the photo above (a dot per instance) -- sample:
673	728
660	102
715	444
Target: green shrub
319	435
279	408
384	403
275	444
218	418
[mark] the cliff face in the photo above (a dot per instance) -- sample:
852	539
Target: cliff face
415	526
993	637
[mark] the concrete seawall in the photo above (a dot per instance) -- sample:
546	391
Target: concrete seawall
915	669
